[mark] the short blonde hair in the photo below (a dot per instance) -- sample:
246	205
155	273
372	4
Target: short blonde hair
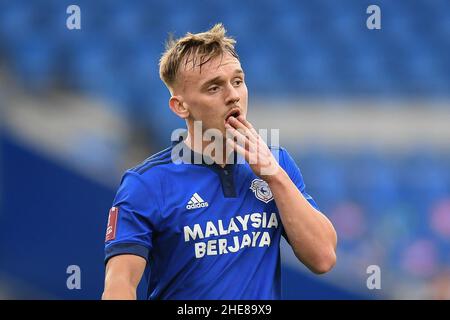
195	49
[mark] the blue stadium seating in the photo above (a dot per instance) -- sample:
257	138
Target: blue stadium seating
303	47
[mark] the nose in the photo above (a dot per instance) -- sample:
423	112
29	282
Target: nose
232	95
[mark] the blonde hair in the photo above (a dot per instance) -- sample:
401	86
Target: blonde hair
194	49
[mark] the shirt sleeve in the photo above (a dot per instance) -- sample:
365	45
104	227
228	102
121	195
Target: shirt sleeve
293	171
291	168
132	219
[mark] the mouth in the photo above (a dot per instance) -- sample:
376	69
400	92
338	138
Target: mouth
235	112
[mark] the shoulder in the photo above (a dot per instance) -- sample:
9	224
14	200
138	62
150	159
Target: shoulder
156	160
285	160
280	153
149	171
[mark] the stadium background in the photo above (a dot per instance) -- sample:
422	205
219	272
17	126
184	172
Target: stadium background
365	113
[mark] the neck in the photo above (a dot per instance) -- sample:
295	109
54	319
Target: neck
198	145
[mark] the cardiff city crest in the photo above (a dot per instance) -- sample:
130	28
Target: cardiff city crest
261	190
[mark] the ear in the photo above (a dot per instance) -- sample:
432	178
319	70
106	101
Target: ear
178	107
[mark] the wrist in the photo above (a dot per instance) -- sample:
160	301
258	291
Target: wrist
276	178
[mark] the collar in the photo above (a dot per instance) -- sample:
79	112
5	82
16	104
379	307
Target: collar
225	174
193	157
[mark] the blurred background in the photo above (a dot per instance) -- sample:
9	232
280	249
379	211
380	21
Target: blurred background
365	113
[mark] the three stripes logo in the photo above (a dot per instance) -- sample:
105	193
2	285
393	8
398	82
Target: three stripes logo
196	202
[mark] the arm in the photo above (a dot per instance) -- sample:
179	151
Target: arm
128	242
310	233
122	276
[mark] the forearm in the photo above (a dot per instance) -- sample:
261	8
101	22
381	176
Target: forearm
310	233
119	289
122	276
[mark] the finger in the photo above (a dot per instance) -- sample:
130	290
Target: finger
255	145
242	141
241	137
239	149
250	157
239	132
246	123
235	123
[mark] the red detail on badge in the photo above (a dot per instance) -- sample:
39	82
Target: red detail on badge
112	224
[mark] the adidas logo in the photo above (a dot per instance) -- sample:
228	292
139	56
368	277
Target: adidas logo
196	202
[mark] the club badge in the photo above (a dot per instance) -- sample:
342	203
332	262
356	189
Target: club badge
261	190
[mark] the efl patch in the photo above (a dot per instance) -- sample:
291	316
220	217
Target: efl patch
261	190
112	224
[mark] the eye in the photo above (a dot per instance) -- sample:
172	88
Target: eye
238	82
213	89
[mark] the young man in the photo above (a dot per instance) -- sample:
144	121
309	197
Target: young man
211	229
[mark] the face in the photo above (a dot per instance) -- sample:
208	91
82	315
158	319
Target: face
214	93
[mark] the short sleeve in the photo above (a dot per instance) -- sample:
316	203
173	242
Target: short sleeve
288	164
291	168
132	219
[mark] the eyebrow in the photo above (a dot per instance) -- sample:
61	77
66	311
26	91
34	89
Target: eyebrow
218	79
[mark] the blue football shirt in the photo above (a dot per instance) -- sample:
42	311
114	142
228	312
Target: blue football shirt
206	232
